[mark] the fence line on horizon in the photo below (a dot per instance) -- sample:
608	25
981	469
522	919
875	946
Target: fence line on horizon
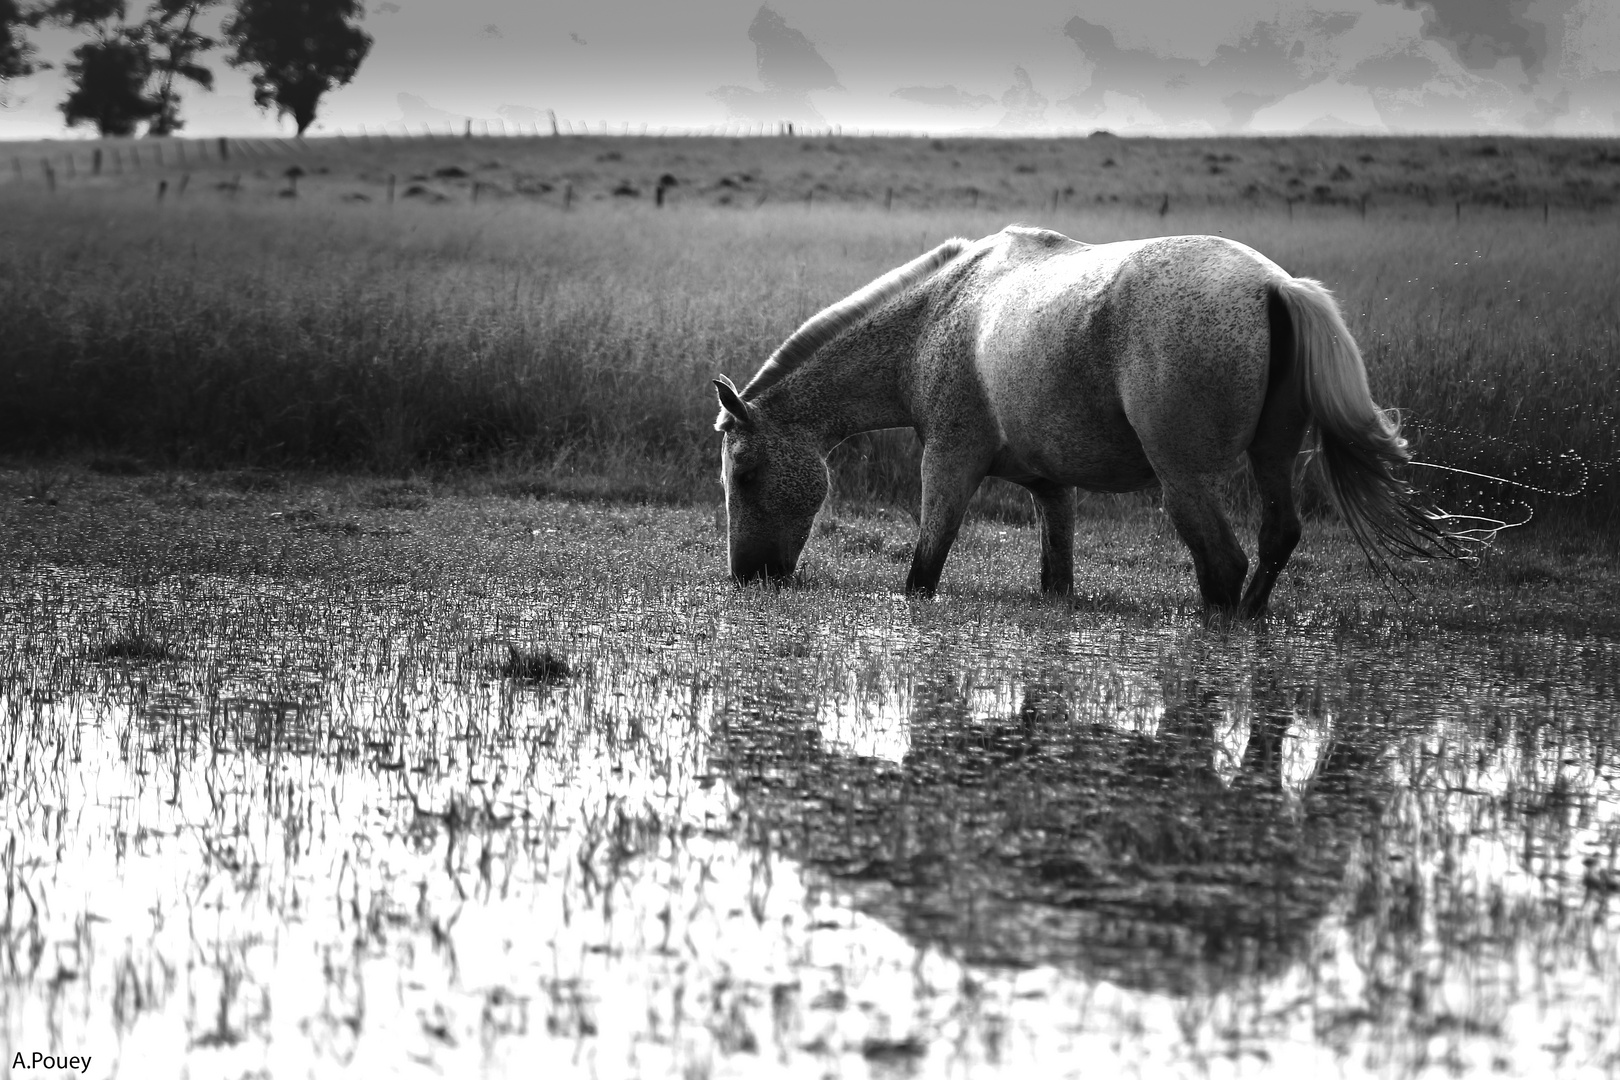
120	157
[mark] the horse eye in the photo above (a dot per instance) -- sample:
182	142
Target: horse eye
743	476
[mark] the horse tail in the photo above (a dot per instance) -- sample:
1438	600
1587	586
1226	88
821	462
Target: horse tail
1359	445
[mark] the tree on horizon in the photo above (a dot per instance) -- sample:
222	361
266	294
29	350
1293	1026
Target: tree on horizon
109	73
16	52
112	75
170	29
302	49
109	86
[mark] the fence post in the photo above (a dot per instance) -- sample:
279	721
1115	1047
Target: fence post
568	195
467	134
1459	211
224	149
185	178
163	189
95	162
50	175
553	115
476	186
73	173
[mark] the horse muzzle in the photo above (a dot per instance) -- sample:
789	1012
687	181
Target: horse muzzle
769	566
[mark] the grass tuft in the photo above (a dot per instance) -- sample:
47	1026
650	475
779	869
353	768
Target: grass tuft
532	666
138	647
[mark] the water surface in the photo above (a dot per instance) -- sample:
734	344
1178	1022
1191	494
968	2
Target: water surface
804	835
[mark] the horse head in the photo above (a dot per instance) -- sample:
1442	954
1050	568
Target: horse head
775	479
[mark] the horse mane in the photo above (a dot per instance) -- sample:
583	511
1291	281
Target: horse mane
821	328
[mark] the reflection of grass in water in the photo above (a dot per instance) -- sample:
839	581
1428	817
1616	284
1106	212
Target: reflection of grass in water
514	866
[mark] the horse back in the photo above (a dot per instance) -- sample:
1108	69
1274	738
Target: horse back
1100	364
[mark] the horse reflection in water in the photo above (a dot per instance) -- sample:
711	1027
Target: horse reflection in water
1041	837
1055	364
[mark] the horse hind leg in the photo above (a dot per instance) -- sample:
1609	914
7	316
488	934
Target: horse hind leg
1194	506
1272	456
1279	523
1056	506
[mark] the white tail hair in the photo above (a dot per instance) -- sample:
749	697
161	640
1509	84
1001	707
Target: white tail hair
1361	447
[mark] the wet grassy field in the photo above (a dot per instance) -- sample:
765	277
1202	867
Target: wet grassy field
309	776
374	700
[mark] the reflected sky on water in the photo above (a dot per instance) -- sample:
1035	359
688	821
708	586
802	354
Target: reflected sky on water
752	837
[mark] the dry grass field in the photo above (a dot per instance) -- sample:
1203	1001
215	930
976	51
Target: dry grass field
1004	174
528	304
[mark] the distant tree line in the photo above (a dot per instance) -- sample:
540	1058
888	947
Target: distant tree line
130	71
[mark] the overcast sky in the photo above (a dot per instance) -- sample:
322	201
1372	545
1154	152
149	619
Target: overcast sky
1058	66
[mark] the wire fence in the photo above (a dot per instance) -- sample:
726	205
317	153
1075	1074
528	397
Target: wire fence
63	164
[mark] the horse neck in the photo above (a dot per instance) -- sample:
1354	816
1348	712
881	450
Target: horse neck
856	382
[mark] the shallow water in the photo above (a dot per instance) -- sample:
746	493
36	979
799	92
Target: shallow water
803	836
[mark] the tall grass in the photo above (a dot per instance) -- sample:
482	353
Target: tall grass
582	344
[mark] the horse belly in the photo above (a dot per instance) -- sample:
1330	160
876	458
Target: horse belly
1052	385
1076	444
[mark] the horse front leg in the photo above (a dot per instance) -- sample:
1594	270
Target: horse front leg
1056	506
949	479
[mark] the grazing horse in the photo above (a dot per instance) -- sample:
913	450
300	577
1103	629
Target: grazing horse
1056	364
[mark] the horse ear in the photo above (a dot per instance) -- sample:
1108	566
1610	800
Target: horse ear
735	408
